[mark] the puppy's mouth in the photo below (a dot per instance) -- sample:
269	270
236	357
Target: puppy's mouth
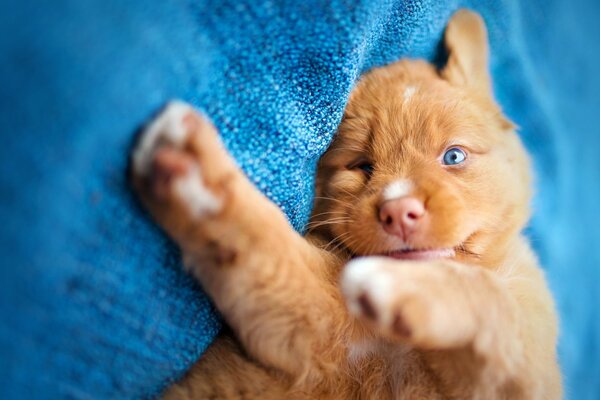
421	254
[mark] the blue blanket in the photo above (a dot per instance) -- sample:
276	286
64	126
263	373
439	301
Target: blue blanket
93	303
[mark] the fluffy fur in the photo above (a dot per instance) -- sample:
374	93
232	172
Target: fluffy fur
474	322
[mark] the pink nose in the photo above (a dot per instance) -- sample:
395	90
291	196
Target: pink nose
401	217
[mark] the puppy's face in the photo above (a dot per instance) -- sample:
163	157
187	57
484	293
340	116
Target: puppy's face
424	165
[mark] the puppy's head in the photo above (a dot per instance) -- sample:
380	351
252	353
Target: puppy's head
424	164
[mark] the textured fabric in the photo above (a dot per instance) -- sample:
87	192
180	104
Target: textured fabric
92	300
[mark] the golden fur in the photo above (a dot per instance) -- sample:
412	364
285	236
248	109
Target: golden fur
478	325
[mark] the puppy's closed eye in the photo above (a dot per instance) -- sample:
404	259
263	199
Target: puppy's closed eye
362	164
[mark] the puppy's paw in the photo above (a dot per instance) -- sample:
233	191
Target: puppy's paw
179	165
409	301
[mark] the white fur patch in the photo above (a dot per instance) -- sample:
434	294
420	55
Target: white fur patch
397	189
199	200
366	275
396	356
361	349
409	92
168	127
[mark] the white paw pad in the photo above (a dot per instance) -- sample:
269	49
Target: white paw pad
195	195
368	277
167	127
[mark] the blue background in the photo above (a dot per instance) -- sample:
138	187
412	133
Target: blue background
92	300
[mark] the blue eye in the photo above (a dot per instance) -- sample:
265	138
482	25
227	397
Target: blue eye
454	156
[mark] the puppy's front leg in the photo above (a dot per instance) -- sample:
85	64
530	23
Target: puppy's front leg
469	324
264	278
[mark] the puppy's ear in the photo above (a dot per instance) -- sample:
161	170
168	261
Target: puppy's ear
468	54
467	45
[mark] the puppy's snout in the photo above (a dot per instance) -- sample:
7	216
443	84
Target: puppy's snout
401	217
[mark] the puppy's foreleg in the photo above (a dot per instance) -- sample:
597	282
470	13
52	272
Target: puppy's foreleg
470	325
264	278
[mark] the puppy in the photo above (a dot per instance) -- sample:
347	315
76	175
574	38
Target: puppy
413	281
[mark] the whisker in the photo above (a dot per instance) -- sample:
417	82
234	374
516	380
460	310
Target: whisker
327	213
316	224
338	239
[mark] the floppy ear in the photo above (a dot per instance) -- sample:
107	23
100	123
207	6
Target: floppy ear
467	45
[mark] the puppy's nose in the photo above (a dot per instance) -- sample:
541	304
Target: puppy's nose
401	217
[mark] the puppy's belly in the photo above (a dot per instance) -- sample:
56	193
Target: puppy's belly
382	372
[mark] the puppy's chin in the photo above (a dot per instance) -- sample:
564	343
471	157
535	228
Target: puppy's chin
421	254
